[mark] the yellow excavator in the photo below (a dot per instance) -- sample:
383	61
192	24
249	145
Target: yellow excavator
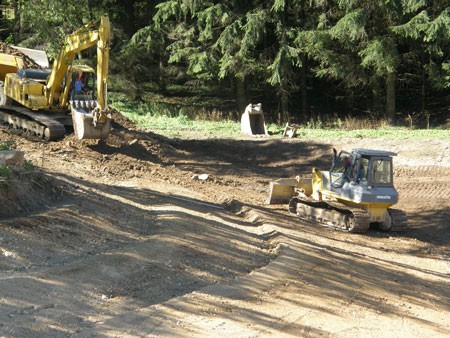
42	102
356	193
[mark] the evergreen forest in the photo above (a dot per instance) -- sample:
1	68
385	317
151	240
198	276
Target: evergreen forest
304	60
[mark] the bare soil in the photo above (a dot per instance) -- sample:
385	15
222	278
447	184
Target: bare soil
121	239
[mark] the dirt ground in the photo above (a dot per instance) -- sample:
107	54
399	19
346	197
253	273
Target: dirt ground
121	239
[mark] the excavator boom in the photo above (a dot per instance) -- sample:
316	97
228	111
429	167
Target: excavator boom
93	120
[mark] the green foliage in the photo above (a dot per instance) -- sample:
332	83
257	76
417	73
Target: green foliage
297	57
40	180
170	120
431	38
6	172
381	55
28	166
8	145
350	28
446	69
9	40
414	28
48	21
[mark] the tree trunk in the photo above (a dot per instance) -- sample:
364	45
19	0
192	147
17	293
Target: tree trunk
304	90
350	100
162	77
284	106
377	104
241	95
390	98
422	93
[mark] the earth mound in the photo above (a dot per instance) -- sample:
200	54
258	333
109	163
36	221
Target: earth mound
23	192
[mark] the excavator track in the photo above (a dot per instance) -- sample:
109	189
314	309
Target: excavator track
31	124
399	220
332	214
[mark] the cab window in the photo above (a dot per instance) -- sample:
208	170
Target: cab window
340	169
360	169
381	172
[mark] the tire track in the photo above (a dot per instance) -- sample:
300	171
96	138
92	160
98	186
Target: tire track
424	182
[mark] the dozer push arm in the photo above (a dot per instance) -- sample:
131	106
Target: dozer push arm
95	33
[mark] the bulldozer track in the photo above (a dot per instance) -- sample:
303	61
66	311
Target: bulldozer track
31	124
331	214
399	220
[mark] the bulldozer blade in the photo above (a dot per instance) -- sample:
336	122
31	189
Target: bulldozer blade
83	125
281	191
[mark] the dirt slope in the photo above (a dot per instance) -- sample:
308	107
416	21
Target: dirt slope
131	245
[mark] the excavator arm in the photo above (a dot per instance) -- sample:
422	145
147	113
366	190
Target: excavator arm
91	119
102	61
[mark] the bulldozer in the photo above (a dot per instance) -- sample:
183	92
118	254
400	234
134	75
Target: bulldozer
44	103
355	194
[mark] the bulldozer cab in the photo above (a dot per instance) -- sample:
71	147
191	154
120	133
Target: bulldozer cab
361	166
340	170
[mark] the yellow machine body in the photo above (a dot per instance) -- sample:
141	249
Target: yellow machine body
27	92
360	191
51	91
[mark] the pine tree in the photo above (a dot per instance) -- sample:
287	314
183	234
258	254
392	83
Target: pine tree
247	42
426	35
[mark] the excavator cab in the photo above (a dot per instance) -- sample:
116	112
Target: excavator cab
82	84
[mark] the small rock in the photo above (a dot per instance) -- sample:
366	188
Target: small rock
201	177
11	157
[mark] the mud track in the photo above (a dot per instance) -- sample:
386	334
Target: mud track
118	239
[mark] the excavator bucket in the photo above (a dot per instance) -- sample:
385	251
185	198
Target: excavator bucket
90	124
252	120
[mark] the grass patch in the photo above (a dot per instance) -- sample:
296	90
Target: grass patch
7	145
172	122
5	172
383	132
175	120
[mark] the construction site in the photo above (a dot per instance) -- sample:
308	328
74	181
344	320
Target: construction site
143	235
112	230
